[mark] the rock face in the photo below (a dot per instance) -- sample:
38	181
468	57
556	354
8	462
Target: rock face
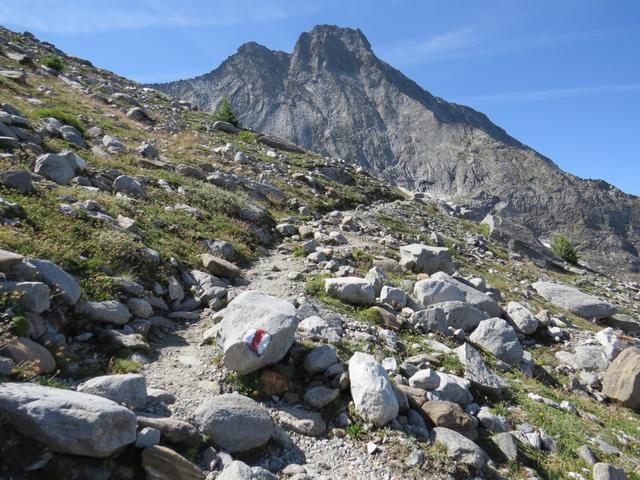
234	422
423	259
66	421
622	379
256	330
574	300
363	110
372	393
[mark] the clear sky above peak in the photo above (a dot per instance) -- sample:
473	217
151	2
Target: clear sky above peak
561	77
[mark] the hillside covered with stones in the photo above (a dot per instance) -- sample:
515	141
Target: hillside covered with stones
184	300
334	96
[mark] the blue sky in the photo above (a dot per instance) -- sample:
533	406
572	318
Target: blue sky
561	76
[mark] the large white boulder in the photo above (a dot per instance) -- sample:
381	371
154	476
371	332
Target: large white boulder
354	290
371	390
256	330
443	288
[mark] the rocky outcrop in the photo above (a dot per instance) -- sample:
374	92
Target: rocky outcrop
363	110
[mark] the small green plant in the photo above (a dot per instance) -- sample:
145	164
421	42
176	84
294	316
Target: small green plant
64	117
563	247
20	325
225	113
51	382
54	62
299	252
355	431
247	136
124	365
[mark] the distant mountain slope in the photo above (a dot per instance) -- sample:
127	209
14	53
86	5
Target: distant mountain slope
333	95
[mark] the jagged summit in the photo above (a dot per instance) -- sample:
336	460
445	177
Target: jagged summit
332	94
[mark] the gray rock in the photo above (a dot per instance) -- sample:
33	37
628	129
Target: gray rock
460	448
507	444
173	430
622	379
590	357
241	471
320	397
140	307
225	127
498	337
6	366
477	371
250	316
371	390
587	455
66	421
301	421
377	278
442	288
461	315
70	134
65	287
318	328
8	260
220	267
147	437
606	471
574	300
320	358
353	290
19	180
128	186
234	422
421	258
393	296
109	311
34	296
57	168
128	389
522	318
492	422
453	389
426	379
429	320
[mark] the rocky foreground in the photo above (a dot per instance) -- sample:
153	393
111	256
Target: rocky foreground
181	299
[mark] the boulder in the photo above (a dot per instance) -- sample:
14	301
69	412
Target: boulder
496	336
371	390
109	311
377	278
9	259
421	258
225	127
606	471
443	288
450	415
477	371
522	318
128	389
65	287
320	397
461	315
234	422
622	379
459	448
393	296
301	421
426	379
256	330
574	300
353	290
22	350
33	296
128	186
57	168
19	180
220	267
453	389
173	430
66	421
320	358
241	471
162	463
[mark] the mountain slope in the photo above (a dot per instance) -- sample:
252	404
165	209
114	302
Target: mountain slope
333	95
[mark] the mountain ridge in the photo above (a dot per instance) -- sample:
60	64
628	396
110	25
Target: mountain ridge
334	96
